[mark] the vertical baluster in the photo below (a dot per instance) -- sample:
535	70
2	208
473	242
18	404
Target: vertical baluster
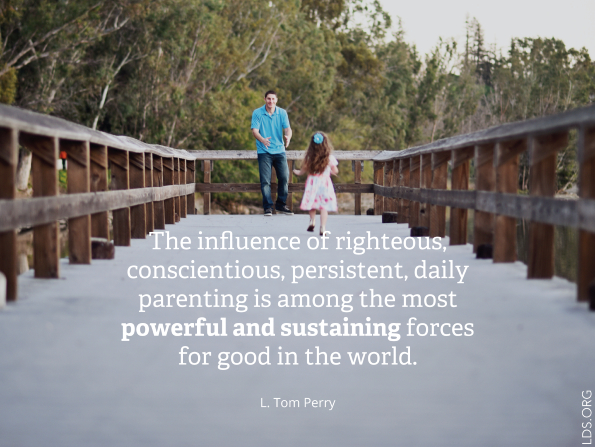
46	238
388	181
485	180
9	151
158	205
506	163
378	180
357	179
414	179
190	178
78	175
168	179
207	179
460	181
149	217
542	183
183	181
177	201
120	181
137	180
99	182
396	181
403	216
586	245
439	181
426	183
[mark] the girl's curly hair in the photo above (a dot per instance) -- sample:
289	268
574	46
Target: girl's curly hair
317	155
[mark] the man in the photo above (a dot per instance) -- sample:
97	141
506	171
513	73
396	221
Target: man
269	123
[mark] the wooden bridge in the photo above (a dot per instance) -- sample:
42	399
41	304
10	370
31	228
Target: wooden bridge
69	379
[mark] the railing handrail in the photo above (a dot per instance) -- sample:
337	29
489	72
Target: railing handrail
575	118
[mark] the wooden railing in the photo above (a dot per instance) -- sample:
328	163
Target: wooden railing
413	183
151	186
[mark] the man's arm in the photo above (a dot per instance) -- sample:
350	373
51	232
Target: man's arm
265	141
288	134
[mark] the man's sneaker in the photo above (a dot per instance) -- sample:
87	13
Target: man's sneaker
284	210
268	212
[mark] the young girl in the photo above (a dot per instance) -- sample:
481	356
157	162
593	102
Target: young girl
319	193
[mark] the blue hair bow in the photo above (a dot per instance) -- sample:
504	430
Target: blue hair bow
318	138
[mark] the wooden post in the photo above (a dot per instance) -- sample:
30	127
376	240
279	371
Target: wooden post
378	180
290	180
138	213
9	151
357	179
177	200
158	205
46	238
168	179
396	182
389	202
586	244
183	181
542	182
460	181
207	179
485	180
99	165
414	178
426	183
120	180
78	174
439	181
403	216
149	217
190	178
506	163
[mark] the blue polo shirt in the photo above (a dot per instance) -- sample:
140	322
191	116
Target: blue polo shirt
270	126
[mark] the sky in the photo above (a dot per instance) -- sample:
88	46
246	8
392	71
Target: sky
572	21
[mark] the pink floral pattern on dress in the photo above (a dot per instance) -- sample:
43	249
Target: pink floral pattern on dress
320	192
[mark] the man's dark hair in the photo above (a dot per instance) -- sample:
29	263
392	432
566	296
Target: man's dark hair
270	92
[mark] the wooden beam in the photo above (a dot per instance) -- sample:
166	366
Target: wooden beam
120	180
9	150
98	168
46	237
183	181
506	163
586	245
378	180
191	179
169	179
158	205
78	155
414	182
542	182
149	216
425	182
460	181
403	217
207	179
357	180
177	200
439	181
389	202
485	180
138	213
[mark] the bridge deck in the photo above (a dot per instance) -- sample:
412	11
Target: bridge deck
67	379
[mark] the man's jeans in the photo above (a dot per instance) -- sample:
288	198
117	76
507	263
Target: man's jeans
279	162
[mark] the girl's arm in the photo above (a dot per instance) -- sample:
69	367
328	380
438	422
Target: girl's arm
334	170
301	171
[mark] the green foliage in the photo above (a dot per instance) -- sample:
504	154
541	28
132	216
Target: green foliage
188	74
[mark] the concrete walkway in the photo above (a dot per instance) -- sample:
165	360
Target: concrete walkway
68	379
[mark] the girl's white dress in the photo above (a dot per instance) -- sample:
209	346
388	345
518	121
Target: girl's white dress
320	192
